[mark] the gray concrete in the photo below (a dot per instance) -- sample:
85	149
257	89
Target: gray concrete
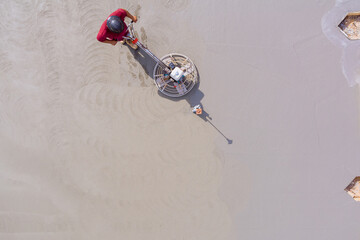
89	150
293	119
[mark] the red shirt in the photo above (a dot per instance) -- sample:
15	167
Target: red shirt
106	34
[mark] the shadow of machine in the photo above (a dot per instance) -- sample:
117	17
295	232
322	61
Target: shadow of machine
193	97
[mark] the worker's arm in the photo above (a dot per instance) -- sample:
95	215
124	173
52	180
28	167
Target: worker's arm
134	18
113	42
101	38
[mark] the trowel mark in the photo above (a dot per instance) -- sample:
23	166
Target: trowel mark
132	69
142	80
130	59
143	35
133	75
137	10
5	63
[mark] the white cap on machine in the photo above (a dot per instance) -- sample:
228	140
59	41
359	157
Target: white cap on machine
176	74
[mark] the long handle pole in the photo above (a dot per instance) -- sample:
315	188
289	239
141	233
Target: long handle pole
140	45
156	59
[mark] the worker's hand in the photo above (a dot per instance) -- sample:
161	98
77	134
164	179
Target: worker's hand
135	19
113	42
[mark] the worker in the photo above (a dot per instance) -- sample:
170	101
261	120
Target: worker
114	28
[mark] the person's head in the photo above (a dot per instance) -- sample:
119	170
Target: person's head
115	24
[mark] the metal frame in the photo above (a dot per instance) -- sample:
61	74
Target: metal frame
169	88
165	84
